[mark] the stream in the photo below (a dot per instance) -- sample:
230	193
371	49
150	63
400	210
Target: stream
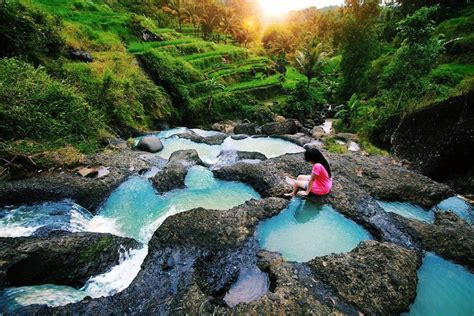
301	232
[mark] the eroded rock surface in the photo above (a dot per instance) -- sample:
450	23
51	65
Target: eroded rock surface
449	236
87	192
379	278
60	258
173	174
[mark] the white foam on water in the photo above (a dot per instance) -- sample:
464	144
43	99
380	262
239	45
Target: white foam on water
119	277
17	230
204	133
327	126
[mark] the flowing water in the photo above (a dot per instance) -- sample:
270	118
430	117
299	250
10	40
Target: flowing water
444	288
455	204
306	230
132	210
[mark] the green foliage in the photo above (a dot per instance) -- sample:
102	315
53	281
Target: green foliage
303	102
35	106
404	78
357	41
172	73
333	147
310	60
28	33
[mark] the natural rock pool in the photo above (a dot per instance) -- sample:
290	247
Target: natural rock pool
306	230
444	288
455	204
133	210
270	147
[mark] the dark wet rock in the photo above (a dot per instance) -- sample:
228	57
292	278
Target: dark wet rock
173	174
252	155
300	139
309	123
351	194
80	55
439	139
226	127
149	36
239	137
385	179
280	128
347	137
216	229
246	129
89	193
59	258
379	278
217	139
318	119
449	236
318	132
150	144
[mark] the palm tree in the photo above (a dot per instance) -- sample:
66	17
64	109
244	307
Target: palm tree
176	8
228	22
213	85
310	60
191	11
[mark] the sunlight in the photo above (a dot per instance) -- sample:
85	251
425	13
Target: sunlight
279	7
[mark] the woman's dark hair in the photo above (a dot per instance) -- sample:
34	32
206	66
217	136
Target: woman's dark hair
315	156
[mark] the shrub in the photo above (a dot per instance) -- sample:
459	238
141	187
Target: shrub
303	102
28	33
35	106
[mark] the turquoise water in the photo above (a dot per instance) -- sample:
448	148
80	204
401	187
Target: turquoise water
305	230
138	211
27	219
52	295
133	210
455	204
408	210
444	288
458	206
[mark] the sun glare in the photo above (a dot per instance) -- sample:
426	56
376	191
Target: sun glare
274	8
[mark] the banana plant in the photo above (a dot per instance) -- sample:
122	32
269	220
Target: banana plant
212	86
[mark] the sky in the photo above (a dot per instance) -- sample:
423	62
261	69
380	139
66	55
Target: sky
278	7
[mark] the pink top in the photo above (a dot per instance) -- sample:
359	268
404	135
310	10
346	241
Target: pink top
322	183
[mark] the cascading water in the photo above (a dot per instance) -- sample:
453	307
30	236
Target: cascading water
132	210
306	230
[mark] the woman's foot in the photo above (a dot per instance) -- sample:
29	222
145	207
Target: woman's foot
289	195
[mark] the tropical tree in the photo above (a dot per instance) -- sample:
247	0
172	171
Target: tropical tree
309	60
349	112
176	8
191	12
228	22
212	86
210	13
279	41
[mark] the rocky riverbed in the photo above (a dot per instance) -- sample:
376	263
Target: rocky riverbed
195	257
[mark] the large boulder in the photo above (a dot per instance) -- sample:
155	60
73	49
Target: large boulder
439	139
60	258
246	128
276	128
379	278
80	55
173	174
150	144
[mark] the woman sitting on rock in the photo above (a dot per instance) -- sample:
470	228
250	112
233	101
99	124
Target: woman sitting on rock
319	182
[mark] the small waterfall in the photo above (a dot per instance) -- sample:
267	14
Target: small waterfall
119	277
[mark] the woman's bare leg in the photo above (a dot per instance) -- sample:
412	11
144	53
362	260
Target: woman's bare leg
303	178
298	185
